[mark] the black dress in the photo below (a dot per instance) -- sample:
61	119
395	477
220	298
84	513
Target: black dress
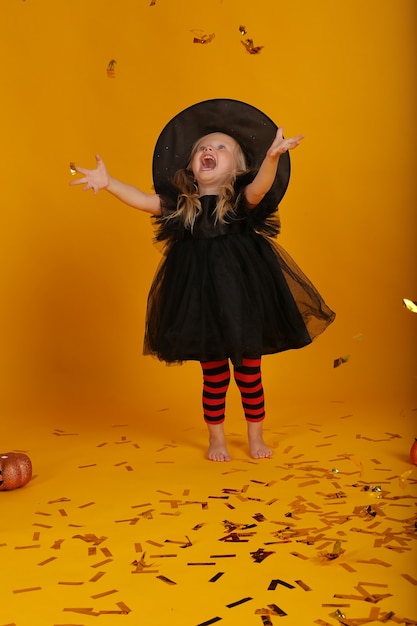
228	290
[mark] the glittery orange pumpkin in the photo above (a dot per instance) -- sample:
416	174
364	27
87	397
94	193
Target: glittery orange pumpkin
15	470
413	452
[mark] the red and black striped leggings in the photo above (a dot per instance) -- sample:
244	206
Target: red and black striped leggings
216	379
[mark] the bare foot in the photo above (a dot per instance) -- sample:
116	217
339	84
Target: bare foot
257	445
217	443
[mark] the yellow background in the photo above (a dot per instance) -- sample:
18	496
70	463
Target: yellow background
76	268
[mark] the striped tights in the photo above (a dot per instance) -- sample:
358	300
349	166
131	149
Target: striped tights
216	379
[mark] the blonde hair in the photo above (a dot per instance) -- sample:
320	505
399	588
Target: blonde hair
189	205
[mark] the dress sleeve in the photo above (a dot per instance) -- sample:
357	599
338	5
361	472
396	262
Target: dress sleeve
264	217
167	231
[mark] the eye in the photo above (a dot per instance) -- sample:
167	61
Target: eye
221	147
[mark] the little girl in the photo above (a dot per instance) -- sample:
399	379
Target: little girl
225	291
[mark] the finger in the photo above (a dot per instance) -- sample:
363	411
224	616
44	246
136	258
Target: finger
80	170
99	161
78	181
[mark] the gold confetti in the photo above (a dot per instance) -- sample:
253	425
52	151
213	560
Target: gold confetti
83	611
73	171
104	593
27	589
347	567
52	558
404	476
242	30
97	577
410	579
111	69
102	563
200	37
299	555
123	607
411	305
250	47
166	580
70	583
341	360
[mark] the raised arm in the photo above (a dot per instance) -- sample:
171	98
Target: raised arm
263	180
99	178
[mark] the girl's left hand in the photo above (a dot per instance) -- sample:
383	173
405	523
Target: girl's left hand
281	145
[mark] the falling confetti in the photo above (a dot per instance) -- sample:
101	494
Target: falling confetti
111	72
341	360
250	47
200	37
411	305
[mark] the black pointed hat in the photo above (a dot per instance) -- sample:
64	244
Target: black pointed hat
249	126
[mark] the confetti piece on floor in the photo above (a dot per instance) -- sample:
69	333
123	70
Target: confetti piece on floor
299	555
102	563
166	580
104	593
238	602
347	567
83	611
210	621
410	579
303	585
52	558
162	556
96	577
123	607
222	556
106	552
28	589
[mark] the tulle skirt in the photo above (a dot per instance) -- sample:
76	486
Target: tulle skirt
231	296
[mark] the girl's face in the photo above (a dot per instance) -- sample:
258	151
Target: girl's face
214	160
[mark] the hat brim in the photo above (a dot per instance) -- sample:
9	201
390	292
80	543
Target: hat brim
250	127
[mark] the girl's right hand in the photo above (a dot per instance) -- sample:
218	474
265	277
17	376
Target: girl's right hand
93	179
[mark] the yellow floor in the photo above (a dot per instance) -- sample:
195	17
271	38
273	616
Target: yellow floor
127	522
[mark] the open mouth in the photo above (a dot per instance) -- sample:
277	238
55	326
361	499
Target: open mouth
208	162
